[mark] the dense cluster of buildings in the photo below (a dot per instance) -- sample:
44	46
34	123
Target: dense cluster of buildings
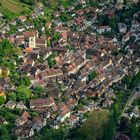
88	51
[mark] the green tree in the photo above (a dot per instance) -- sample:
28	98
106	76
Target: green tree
12	96
8	115
127	80
109	132
5	137
51	60
30	2
135	80
38	90
25	81
92	75
93	128
93	2
52	134
23	93
65	17
133	130
4	133
113	22
2	100
103	20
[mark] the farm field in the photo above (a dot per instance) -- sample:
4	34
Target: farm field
12	8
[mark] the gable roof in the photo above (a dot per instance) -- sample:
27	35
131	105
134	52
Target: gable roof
42	102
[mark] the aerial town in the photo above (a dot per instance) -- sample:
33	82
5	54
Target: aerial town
58	65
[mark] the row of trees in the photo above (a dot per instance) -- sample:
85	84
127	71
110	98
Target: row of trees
24	93
30	2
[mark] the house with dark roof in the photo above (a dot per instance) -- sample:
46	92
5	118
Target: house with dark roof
38	123
23	119
25	131
2	120
42	103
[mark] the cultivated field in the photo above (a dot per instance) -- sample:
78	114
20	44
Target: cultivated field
13	6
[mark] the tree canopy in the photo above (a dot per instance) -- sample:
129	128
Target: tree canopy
93	128
92	75
2	100
23	93
25	81
12	96
38	90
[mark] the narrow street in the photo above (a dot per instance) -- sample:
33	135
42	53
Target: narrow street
135	94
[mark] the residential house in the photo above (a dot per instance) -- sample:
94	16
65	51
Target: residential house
21	105
103	29
135	26
10	104
37	42
29	61
126	37
55	125
79	12
28	25
135	113
64	113
23	119
73	120
25	131
20	28
83	110
28	34
4	83
92	93
122	28
28	50
38	123
106	63
2	120
33	72
71	103
22	18
42	103
13	22
59	60
107	103
48	24
82	2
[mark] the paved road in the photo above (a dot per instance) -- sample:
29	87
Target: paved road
1	27
135	94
